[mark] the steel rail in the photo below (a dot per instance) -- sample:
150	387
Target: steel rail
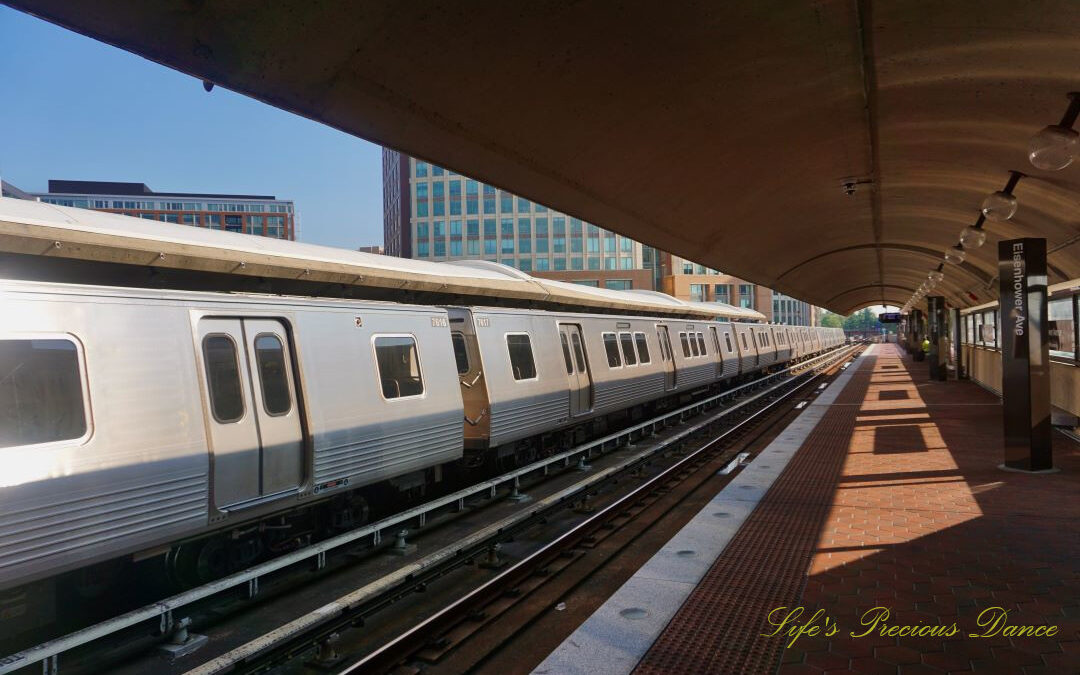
47	653
390	653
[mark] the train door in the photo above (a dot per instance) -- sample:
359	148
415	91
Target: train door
670	377
719	352
254	420
577	369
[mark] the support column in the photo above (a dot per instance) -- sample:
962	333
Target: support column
1025	366
936	334
958	345
914	344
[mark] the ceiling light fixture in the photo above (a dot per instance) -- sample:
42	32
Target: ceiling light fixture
973	236
1001	205
1054	147
955	255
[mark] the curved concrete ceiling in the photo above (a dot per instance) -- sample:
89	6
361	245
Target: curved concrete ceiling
719	131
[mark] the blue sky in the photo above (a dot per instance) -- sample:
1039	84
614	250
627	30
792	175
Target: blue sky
79	109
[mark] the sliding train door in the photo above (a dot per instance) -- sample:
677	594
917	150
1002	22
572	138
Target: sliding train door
670	377
577	369
251	407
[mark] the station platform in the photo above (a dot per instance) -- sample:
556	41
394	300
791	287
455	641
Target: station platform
884	493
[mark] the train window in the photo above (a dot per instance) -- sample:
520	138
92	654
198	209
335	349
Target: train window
627	342
521	356
701	344
693	344
715	339
566	353
41	392
223	378
745	345
579	353
642	347
1062	331
664	356
611	346
461	352
273	375
399	366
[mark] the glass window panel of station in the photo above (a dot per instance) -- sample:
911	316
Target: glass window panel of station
41	392
987	337
1062	328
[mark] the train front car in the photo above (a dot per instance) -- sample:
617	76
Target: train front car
162	426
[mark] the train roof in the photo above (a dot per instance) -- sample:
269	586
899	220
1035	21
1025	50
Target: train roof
58	243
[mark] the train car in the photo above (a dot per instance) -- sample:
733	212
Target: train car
783	344
748	355
530	372
762	337
132	418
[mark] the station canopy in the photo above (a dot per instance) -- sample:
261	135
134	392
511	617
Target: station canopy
830	150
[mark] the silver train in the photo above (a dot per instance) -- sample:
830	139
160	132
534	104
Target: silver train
134	422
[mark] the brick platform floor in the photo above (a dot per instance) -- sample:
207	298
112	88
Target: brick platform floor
899	491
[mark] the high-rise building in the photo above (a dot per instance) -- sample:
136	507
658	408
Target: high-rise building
263	215
397	204
431	213
688	280
792	312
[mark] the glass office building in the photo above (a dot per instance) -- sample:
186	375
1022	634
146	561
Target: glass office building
431	213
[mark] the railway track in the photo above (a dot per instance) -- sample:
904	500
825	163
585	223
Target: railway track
314	639
610	532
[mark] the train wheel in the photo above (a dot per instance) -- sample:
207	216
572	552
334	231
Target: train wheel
198	562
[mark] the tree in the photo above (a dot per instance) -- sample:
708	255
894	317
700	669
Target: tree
830	320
